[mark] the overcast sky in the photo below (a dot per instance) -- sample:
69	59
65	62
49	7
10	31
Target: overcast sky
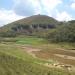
12	10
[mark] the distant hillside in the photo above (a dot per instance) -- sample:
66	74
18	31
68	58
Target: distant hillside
33	25
65	33
37	19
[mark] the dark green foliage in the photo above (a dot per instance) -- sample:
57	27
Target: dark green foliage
65	33
26	29
8	34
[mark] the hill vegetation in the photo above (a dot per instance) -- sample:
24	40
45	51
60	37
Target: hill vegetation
65	33
41	26
34	25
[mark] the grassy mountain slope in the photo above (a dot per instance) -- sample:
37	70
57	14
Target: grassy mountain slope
33	25
36	19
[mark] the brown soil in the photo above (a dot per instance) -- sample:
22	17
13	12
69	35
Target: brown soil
51	54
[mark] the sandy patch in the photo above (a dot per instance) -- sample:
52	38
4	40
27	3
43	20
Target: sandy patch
30	50
65	56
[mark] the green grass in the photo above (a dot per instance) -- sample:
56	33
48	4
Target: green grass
16	51
31	41
34	41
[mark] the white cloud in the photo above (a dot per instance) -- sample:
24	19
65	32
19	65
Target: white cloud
28	7
37	6
50	4
23	8
8	16
63	16
73	5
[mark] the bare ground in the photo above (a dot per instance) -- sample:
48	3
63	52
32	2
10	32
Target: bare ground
32	51
65	56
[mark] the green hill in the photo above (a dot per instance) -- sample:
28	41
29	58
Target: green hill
41	26
33	25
